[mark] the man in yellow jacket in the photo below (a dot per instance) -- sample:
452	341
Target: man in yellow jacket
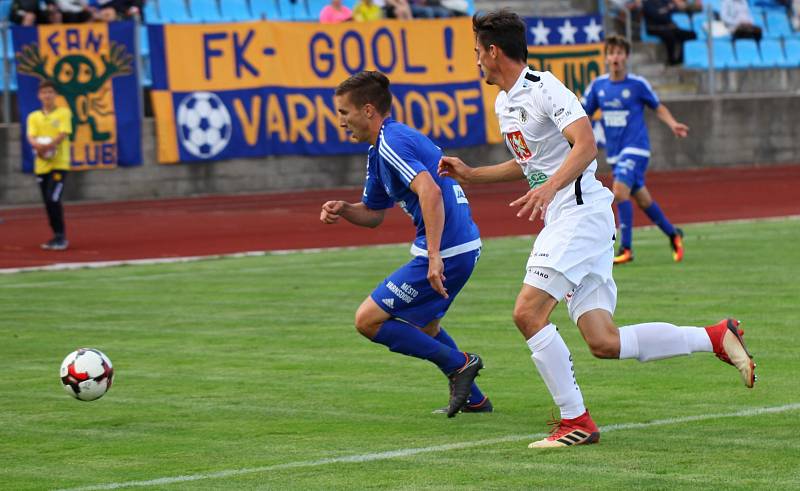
48	133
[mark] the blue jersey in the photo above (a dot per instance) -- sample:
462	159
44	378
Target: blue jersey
394	161
622	103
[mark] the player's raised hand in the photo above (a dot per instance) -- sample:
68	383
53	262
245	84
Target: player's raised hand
331	212
534	202
680	130
454	167
436	275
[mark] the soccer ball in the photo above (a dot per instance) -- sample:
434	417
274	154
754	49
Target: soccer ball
87	374
47	154
204	124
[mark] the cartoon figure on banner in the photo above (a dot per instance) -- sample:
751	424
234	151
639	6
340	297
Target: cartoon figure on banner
76	78
204	124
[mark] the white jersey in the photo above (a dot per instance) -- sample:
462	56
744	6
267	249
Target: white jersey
532	116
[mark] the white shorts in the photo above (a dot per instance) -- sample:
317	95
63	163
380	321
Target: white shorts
592	293
573	257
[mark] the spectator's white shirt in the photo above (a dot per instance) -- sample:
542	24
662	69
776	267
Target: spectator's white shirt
532	116
735	12
71	6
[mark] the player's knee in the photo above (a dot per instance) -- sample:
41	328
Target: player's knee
621	195
365	326
528	320
604	347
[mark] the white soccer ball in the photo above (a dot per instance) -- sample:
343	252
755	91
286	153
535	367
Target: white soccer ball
204	124
87	374
46	140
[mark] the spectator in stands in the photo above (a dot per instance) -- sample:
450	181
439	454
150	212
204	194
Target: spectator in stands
428	9
367	10
32	12
617	9
73	11
335	13
736	16
397	9
657	15
111	10
48	133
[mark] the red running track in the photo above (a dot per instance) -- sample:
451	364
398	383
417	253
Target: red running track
229	224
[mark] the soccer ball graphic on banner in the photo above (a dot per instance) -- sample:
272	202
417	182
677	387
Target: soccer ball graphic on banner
204	124
86	374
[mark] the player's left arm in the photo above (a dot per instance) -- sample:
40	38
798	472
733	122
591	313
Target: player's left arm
432	206
678	129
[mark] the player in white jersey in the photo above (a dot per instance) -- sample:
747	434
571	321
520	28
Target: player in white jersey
551	138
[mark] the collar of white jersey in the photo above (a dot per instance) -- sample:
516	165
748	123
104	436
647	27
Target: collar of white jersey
522	82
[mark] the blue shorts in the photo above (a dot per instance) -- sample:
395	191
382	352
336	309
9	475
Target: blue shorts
407	295
630	170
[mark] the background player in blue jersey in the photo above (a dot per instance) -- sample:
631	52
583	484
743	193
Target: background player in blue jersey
622	98
404	311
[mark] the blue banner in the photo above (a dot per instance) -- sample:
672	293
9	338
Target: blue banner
94	71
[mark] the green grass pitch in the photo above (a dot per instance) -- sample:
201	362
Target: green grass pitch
247	374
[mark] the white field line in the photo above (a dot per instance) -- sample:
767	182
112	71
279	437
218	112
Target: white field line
408	452
313	250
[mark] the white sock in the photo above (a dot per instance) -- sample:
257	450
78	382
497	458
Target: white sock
554	362
657	340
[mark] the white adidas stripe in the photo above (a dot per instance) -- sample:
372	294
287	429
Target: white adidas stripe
393	454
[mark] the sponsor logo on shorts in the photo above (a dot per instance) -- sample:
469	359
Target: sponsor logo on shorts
539	273
405	292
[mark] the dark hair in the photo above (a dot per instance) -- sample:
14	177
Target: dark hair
46	84
617	40
368	88
504	29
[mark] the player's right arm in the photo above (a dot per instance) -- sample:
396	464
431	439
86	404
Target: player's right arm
454	167
355	213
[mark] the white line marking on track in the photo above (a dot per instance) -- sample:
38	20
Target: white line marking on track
313	250
407	452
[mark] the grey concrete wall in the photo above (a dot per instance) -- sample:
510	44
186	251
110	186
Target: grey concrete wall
724	132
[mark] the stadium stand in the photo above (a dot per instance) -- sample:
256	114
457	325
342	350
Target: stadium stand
5	10
151	13
266	9
747	53
792	49
205	11
174	11
235	10
683	21
778	24
772	54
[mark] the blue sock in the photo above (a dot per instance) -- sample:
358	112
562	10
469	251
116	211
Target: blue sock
475	395
408	340
657	216
625	210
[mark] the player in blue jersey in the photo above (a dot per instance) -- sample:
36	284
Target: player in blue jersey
404	311
622	98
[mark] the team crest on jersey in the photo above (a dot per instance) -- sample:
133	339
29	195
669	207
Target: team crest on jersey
523	116
518	145
626	93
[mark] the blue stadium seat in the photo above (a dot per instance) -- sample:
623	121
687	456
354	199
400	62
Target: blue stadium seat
147	74
683	21
9	53
647	38
315	7
724	56
151	14
772	54
295	10
174	11
235	10
205	10
747	53
778	24
792	49
265	9
695	54
759	18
